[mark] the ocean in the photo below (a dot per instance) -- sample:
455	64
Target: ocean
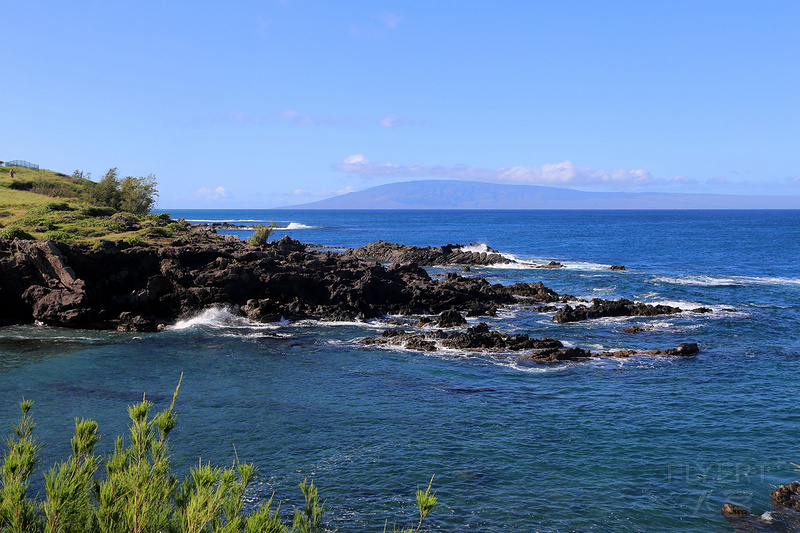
644	444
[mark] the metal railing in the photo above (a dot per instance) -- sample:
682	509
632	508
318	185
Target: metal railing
20	163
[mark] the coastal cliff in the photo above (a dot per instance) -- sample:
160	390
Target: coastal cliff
142	288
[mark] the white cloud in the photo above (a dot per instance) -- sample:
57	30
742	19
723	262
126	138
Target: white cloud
391	20
388	121
558	174
303	120
392	121
205	193
308	194
356	159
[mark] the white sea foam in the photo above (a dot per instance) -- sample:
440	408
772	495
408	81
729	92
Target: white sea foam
723	281
477	247
220	221
218	317
587	266
297	225
524	264
688	306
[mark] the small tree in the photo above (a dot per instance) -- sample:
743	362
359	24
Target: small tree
106	191
138	195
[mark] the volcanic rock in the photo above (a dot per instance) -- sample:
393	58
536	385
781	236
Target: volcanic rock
611	308
118	286
787	496
450	254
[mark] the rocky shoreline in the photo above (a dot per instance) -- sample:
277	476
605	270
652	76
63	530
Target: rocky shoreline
146	288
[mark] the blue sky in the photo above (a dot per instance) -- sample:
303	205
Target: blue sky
261	104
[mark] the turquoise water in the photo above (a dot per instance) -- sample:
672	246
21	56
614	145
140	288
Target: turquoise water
644	444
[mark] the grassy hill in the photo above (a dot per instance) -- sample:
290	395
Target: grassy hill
47	205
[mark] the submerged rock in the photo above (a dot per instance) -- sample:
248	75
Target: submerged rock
480	338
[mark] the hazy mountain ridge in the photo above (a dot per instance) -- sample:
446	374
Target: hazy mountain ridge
452	194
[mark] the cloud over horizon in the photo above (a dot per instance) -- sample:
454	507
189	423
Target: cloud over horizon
562	174
204	193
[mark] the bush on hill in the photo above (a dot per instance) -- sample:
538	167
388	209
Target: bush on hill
13	232
135	195
261	234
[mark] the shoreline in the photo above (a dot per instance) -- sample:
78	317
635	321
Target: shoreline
116	286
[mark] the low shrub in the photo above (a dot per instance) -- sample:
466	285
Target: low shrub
58	206
158	231
94	211
109	226
13	232
261	234
134	240
176	227
21	185
158	217
38	221
60	236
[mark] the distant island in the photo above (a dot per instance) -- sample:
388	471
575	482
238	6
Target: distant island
453	194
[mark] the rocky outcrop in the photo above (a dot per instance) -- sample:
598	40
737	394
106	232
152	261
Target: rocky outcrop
611	308
533	291
118	286
450	254
787	496
784	517
480	338
477	338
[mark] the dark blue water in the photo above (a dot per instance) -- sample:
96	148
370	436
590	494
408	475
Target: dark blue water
644	444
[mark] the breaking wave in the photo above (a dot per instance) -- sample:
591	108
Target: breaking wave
297	225
218	318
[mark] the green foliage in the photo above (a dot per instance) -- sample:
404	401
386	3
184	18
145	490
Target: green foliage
102	223
134	240
21	185
158	231
158	217
138	195
176	227
95	211
135	195
38	221
13	232
105	193
58	206
308	520
17	512
425	503
60	236
68	506
134	490
261	234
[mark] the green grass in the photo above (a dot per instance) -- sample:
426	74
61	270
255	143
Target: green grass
47	205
